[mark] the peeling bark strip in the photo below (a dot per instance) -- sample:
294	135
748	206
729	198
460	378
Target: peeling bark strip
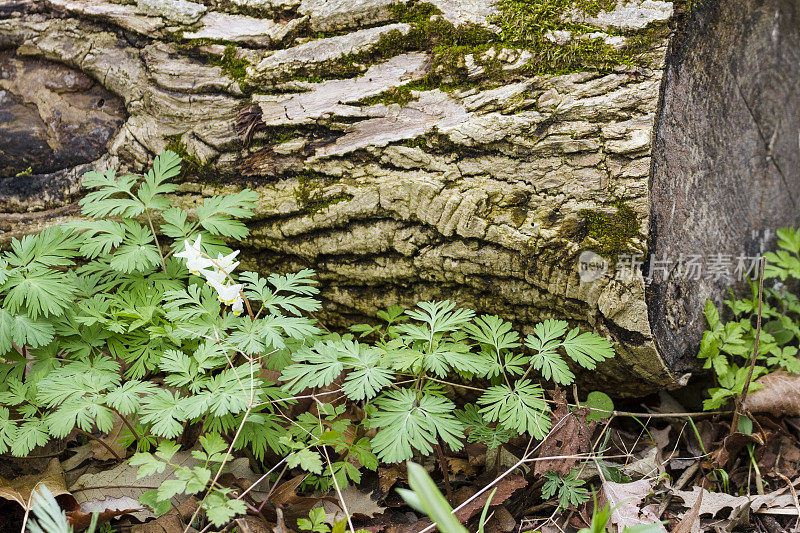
456	149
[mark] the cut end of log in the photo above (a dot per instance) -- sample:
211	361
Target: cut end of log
726	162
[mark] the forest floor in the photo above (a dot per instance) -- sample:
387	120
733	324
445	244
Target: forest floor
656	461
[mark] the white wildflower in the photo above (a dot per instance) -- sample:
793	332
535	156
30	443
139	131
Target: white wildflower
238	306
196	260
226	293
227	263
215	275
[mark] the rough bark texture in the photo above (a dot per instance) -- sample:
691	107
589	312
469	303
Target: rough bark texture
403	171
723	185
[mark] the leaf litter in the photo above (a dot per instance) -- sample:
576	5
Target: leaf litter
658	471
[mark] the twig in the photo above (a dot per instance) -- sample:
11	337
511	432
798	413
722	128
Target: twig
338	491
745	390
106	446
127	423
525	457
27	511
443	466
794	496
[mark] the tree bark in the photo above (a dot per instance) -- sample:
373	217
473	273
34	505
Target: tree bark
402	171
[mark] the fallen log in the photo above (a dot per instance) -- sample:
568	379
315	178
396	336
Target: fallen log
530	159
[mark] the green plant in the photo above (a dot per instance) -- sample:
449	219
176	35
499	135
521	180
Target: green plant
48	516
101	318
570	489
315	521
107	320
219	507
426	498
438	340
727	346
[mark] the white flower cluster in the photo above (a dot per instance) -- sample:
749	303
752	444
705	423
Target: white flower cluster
217	273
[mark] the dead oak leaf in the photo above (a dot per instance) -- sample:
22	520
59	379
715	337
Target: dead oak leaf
81	520
19	489
505	488
690	523
109	486
715	502
625	500
571	437
358	503
461	466
779	395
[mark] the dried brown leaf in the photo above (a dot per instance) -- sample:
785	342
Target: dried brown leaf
781	455
505	488
461	466
252	524
174	521
778	396
121	482
111	440
387	477
19	489
650	465
571	437
690	523
358	503
81	520
731	446
625	500
715	502
285	498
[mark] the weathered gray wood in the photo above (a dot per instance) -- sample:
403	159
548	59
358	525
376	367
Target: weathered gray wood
485	191
726	170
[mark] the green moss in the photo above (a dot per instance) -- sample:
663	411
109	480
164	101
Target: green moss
396	95
611	235
234	66
525	24
191	165
309	193
419	142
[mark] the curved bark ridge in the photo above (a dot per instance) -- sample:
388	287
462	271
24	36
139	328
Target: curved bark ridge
52	119
452	149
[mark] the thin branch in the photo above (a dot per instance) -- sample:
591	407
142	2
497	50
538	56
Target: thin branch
106	446
746	389
158	245
125	421
443	467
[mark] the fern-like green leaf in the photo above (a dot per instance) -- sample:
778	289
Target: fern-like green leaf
167	165
407	424
315	366
366	377
30	434
111	195
218	214
521	408
165	412
40	291
587	349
